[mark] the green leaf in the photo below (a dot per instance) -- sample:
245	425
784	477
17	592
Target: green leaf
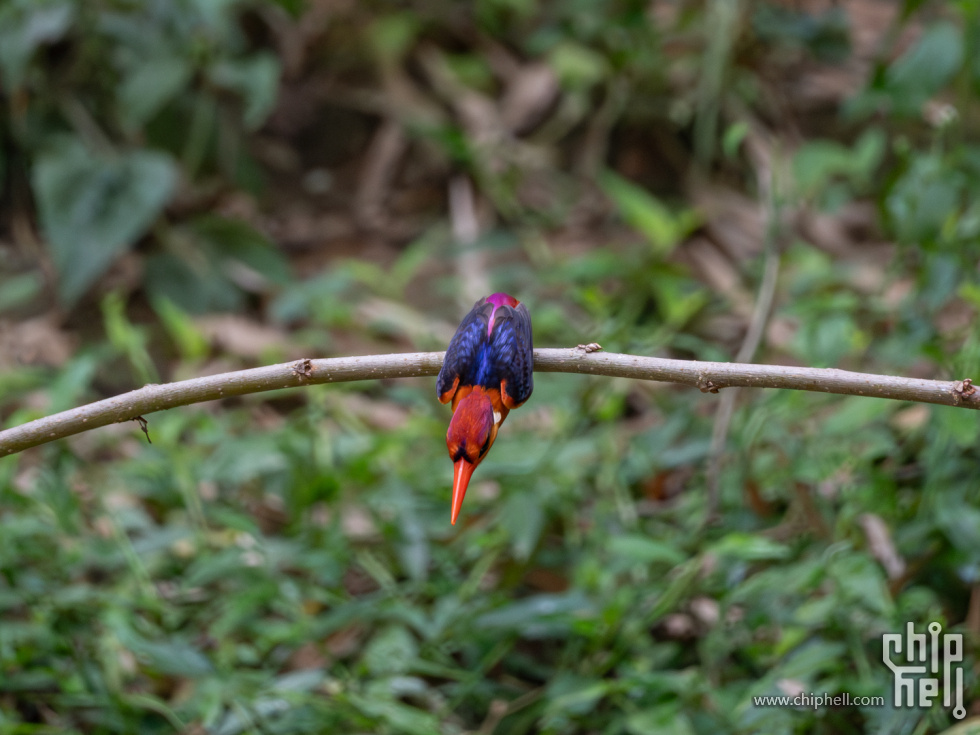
173	656
678	297
193	286
255	79
93	208
241	460
213	260
812	658
869	150
679	588
236	240
924	199
923	70
577	66
818	162
401	717
150	86
524	520
815	162
647	214
749	548
855	413
190	342
392	35
538	609
825	34
961	524
25	27
665	719
304	680
570	694
643	550
19	290
391	651
734	135
128	338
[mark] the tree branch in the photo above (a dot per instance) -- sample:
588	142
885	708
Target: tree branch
709	377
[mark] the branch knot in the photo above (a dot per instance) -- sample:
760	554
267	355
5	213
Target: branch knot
303	368
963	389
706	386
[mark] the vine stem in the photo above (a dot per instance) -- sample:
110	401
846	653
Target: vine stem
709	377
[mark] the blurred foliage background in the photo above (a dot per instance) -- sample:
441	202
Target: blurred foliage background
194	186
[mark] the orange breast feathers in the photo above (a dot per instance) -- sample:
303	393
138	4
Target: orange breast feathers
491	393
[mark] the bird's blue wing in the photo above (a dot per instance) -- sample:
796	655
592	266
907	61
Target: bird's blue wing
460	365
512	354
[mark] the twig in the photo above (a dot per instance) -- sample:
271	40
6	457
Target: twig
144	427
762	156
882	546
709	377
471	265
499	709
723	418
377	175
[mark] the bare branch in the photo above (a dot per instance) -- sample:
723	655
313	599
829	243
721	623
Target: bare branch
709	377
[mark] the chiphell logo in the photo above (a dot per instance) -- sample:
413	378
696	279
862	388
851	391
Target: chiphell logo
929	663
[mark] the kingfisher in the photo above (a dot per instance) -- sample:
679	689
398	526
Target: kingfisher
488	370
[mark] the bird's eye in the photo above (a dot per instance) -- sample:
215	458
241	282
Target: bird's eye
486	445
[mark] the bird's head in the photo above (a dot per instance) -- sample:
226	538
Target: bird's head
471	433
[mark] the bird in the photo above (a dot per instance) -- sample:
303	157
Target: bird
487	371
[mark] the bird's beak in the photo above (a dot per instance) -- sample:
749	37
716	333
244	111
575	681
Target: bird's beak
462	471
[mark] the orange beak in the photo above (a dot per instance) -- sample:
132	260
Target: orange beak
462	471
